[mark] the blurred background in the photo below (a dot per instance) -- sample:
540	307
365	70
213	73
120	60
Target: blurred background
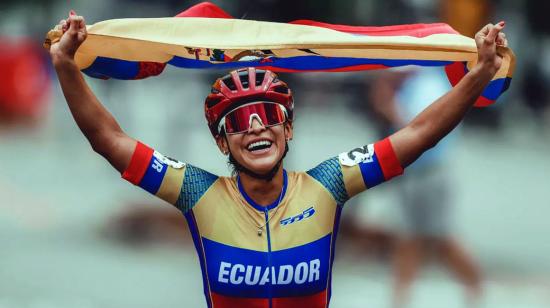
467	227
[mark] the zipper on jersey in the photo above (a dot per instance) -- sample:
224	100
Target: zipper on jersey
270	286
265	210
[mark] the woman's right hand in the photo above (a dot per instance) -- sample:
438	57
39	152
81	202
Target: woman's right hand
74	34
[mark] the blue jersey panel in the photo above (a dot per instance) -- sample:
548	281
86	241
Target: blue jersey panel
371	172
153	176
247	273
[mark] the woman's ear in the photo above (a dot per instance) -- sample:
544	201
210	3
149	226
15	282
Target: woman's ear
221	141
288	131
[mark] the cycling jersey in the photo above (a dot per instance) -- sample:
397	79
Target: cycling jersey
288	265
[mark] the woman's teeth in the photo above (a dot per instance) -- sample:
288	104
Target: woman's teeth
259	145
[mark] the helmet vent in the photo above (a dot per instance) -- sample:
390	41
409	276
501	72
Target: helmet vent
260	75
228	81
211	102
281	89
243	77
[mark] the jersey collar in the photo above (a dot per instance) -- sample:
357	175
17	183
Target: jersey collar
256	205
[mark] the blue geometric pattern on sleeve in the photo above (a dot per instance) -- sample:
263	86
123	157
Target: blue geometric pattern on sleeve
195	183
329	174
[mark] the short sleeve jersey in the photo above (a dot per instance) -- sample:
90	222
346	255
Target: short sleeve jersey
290	263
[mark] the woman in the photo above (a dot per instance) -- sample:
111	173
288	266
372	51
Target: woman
265	237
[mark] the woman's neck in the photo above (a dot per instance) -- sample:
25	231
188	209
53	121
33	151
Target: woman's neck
261	191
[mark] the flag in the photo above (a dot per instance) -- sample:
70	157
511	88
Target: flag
206	37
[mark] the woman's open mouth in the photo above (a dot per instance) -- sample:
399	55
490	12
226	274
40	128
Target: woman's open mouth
260	146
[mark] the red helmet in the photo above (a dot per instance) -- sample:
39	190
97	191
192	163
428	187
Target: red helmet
243	86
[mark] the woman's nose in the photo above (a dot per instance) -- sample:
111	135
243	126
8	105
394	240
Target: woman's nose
256	126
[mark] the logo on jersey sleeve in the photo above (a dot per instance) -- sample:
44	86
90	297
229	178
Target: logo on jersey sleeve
167	161
156	171
305	214
358	155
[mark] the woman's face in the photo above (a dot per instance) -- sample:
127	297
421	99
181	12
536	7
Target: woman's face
260	148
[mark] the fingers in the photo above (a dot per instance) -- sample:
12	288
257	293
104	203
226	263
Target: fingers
75	22
501	40
71	31
484	31
63	25
494	31
491	34
71	13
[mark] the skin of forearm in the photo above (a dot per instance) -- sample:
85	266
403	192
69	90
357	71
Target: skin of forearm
442	116
93	119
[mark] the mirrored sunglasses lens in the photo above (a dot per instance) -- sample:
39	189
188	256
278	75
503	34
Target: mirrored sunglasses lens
238	120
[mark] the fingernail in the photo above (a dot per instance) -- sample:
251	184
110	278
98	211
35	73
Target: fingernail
72	12
502	23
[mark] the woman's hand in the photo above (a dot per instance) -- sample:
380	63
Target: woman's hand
487	40
438	119
73	35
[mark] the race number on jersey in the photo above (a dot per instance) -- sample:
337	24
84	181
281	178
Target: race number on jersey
357	155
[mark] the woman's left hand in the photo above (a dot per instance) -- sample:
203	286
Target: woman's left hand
487	40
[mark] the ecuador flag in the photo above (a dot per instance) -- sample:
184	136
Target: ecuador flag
205	37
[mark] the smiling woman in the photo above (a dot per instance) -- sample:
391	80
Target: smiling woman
258	103
265	237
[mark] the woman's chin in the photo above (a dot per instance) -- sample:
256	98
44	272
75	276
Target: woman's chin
261	166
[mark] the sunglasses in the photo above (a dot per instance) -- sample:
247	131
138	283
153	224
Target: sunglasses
240	119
